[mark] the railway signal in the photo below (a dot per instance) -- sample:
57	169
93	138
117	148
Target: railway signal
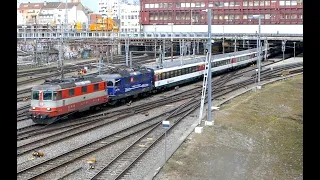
283	48
166	125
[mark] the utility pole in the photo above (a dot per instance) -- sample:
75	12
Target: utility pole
209	16
223	40
294	50
207	76
259	45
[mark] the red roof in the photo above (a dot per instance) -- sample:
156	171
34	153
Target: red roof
24	6
70	5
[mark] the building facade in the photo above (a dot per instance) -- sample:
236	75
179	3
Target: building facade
229	13
109	8
30	12
47	12
52	13
129	18
75	13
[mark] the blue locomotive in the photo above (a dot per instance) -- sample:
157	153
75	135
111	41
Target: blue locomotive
128	83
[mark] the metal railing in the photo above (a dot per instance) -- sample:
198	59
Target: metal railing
150	35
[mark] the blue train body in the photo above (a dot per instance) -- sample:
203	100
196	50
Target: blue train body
128	83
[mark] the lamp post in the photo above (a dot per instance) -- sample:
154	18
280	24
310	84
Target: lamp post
155	41
171	24
258	46
223	40
191	20
294	50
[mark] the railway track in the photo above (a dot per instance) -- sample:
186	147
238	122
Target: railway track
119	165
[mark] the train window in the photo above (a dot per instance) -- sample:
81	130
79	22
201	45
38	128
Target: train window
183	71
56	96
84	89
135	78
47	95
171	74
194	68
96	87
179	72
163	76
146	77
127	80
35	95
71	92
109	83
117	83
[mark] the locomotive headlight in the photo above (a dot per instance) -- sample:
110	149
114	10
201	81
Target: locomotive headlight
48	109
33	107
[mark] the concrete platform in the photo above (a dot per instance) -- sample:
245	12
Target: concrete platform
285	62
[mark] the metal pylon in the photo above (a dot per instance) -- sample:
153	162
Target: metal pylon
204	85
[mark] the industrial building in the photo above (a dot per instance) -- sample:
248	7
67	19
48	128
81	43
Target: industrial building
229	16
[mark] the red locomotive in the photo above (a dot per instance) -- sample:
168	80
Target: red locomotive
57	99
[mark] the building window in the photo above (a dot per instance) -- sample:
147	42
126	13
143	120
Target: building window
156	5
187	16
244	17
183	4
231	16
169	5
245	3
215	16
203	4
267	3
231	4
287	3
160	5
187	4
165	5
250	3
226	16
160	15
151	5
194	4
282	3
220	17
293	3
261	3
151	16
198	4
165	17
236	3
293	16
236	17
267	16
178	5
256	3
226	4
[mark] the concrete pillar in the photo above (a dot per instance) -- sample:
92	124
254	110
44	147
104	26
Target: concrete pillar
119	48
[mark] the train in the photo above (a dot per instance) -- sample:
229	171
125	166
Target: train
57	99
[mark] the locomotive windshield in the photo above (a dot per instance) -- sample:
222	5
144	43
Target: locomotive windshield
47	95
35	95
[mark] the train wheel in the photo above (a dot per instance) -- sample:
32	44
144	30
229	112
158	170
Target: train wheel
113	102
